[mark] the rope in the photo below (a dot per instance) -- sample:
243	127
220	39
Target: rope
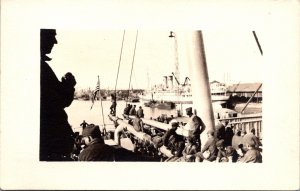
119	65
137	32
256	39
104	129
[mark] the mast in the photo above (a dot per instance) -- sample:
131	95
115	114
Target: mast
176	75
202	104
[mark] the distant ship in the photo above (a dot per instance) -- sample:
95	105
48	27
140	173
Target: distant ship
182	93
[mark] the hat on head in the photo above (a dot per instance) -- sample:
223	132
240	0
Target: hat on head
189	109
229	150
91	130
239	129
174	122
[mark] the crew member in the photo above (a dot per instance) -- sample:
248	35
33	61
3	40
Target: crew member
113	105
195	126
132	110
140	112
84	124
173	141
209	147
137	124
96	149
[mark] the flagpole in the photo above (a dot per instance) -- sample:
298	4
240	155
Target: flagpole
99	94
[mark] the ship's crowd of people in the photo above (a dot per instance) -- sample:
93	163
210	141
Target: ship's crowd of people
224	144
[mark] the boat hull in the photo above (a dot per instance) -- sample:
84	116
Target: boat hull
181	99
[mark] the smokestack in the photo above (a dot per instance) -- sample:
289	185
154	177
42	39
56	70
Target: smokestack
166	81
171	82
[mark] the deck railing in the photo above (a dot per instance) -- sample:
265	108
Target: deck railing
246	123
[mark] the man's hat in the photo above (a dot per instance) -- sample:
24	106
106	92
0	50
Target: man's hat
252	130
239	129
229	150
91	130
189	109
174	122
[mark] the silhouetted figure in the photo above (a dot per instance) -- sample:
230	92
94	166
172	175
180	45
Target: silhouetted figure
126	109
220	131
132	110
228	136
84	124
173	141
113	105
56	135
140	112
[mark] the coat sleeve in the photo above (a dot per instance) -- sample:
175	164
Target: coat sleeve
166	138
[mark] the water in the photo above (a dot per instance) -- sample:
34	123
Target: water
80	110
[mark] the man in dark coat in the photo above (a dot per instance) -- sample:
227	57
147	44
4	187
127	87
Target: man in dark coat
220	131
173	141
140	112
56	141
228	136
96	149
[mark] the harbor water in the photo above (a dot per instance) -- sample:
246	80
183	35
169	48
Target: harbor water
81	110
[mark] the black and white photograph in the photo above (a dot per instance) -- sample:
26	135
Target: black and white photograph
134	99
151	95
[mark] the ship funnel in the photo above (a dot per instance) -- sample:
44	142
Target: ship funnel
171	82
166	81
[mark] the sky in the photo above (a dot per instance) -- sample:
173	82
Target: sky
231	56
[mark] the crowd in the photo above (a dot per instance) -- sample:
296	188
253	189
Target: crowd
222	145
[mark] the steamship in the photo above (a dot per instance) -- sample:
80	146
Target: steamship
182	93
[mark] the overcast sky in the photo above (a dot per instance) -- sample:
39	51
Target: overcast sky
232	56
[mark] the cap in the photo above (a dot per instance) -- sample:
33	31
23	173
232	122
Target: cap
239	129
189	109
229	150
174	122
91	130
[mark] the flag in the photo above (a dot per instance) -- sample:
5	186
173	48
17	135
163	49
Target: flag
97	89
